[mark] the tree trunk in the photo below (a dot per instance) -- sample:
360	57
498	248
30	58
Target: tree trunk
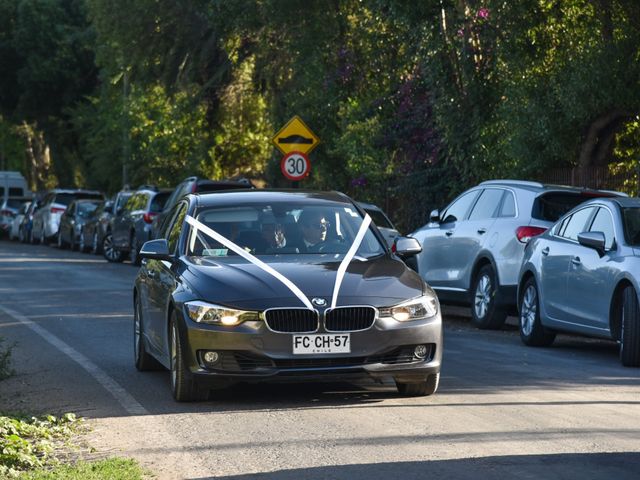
598	143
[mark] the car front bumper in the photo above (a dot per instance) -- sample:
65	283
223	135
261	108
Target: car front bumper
252	352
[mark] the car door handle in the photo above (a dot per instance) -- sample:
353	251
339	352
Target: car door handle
448	233
576	260
482	231
545	251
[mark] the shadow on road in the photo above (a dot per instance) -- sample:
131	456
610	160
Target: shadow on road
595	466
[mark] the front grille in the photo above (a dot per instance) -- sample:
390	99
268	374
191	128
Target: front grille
292	320
320	362
347	319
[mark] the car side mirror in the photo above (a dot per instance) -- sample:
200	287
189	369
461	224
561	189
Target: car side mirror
595	240
406	246
434	216
156	249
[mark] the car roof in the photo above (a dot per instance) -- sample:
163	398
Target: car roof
626	202
72	190
234	197
545	187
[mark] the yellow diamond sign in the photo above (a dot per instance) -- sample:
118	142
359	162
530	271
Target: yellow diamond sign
295	136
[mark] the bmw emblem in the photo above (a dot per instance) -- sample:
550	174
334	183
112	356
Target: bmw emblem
319	302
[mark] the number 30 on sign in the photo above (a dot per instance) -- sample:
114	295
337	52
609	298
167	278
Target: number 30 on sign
295	166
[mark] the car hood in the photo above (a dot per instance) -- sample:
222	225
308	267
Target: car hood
381	281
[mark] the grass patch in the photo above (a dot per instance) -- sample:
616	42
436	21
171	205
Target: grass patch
111	469
39	448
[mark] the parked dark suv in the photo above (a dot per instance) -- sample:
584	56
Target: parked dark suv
197	185
472	250
131	226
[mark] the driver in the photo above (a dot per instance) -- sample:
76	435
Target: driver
314	225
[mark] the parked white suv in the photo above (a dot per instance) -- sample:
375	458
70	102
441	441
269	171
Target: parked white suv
472	250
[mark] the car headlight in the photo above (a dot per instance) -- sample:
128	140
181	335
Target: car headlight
203	312
414	309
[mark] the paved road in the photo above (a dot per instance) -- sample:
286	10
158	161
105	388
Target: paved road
502	411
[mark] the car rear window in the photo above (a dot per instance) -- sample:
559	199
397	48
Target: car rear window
631	219
157	204
14	203
67	198
551	206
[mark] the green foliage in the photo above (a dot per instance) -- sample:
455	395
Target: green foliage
29	443
111	469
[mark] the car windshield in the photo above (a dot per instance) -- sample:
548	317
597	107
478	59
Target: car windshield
288	229
631	218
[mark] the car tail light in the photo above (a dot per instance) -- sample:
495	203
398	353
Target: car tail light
57	210
194	187
525	234
148	217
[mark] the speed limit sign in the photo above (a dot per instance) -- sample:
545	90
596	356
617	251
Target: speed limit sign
295	166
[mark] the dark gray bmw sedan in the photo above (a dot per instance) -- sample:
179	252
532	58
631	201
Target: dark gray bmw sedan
258	285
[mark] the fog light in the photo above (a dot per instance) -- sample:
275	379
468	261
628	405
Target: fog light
211	357
420	351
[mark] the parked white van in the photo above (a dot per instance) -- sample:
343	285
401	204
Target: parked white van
14	191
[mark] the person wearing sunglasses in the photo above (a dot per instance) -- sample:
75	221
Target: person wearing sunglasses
314	225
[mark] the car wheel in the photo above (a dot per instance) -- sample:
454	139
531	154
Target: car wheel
183	386
109	251
532	332
485	312
630	329
144	362
72	241
419	389
94	244
134	252
82	247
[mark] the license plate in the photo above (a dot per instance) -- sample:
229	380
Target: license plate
310	344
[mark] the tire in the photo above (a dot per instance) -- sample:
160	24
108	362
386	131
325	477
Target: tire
183	386
134	252
532	332
420	389
82	247
630	329
72	241
143	361
61	244
485	313
108	250
95	247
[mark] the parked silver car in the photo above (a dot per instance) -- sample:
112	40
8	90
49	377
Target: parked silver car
583	276
473	250
15	232
46	220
